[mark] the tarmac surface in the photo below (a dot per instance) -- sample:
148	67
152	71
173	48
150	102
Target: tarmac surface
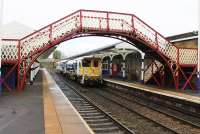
22	112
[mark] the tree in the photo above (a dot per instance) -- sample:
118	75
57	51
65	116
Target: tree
57	54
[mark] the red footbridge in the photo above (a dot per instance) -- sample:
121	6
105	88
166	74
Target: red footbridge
20	54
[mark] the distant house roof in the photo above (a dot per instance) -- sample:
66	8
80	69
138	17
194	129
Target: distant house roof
15	30
184	36
47	60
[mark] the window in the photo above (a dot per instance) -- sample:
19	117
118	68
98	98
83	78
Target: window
86	63
75	65
69	67
105	65
96	62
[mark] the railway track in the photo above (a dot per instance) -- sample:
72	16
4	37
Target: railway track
192	126
186	124
152	122
194	121
173	129
99	121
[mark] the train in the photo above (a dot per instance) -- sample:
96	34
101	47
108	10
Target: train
85	70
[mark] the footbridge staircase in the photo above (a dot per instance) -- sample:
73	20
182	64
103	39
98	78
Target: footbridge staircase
21	53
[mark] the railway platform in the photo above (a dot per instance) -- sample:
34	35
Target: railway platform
59	114
22	112
41	109
180	100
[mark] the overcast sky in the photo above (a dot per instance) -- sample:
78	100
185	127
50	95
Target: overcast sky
169	17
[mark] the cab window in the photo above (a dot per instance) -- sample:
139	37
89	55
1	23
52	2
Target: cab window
86	63
96	63
75	66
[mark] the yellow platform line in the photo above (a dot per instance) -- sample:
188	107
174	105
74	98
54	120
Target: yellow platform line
52	125
60	115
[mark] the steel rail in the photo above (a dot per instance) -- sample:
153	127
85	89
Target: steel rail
194	124
117	123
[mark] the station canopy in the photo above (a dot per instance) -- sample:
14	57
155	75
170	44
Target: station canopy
113	49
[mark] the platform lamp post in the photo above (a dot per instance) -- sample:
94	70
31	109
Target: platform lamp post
1	22
198	62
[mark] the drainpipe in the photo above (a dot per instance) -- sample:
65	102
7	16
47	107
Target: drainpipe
123	67
198	64
1	21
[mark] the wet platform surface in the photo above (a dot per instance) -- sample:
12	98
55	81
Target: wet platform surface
41	108
59	114
22	112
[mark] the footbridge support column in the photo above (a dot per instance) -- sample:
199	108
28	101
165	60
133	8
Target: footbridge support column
123	70
124	66
110	65
142	68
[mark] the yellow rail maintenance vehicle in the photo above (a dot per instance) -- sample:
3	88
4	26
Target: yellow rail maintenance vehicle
86	70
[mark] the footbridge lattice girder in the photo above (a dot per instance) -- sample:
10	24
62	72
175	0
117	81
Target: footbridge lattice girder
87	21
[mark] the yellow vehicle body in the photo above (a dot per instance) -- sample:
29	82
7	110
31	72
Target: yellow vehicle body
91	72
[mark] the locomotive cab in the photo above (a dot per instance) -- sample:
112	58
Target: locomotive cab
90	71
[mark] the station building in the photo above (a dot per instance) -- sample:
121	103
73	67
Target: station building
126	62
185	40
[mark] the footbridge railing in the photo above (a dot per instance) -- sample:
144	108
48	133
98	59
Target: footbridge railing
100	21
89	21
